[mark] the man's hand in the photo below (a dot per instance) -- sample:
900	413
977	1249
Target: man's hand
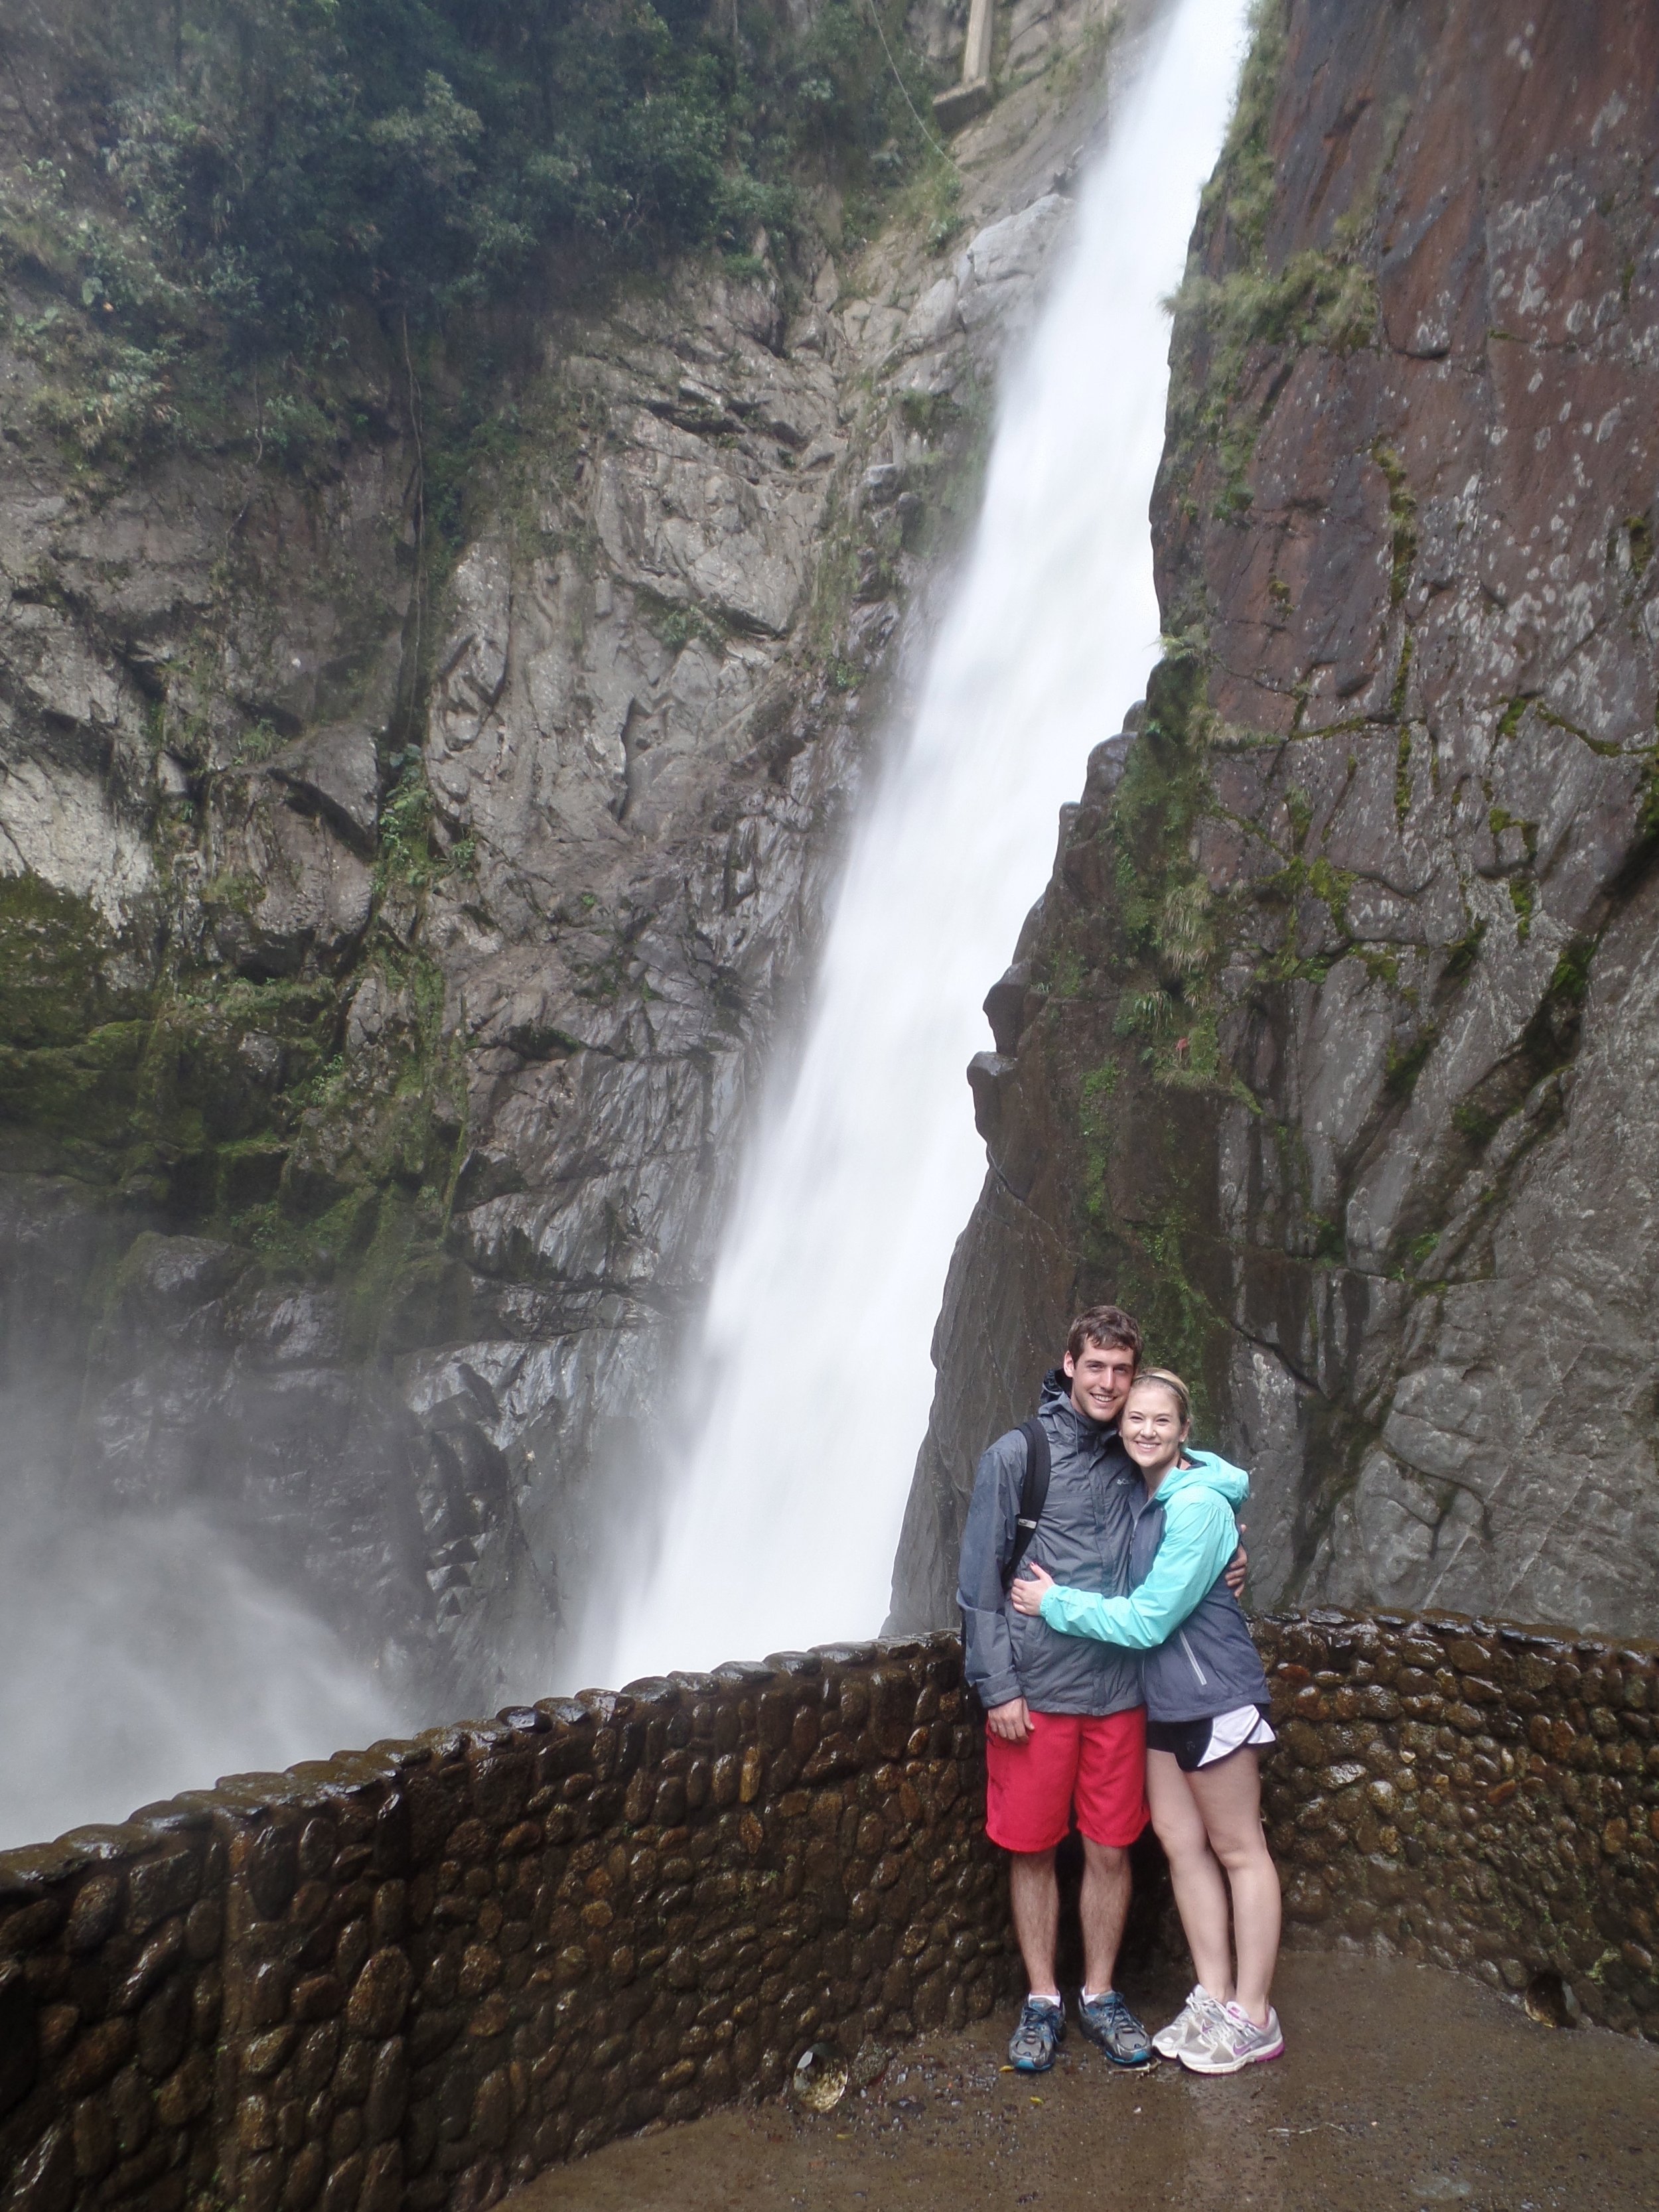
1011	1722
1028	1592
1238	1567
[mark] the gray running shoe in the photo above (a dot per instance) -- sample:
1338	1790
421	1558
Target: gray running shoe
1195	2024
1236	2043
1107	2021
1041	2032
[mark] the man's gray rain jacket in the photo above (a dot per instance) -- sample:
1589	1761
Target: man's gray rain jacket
1082	1539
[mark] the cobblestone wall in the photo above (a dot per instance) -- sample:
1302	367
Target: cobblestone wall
403	1979
1483	1797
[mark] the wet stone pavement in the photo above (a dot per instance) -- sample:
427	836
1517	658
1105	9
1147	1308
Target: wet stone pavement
1403	2086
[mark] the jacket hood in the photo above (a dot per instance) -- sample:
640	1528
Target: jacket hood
1209	1470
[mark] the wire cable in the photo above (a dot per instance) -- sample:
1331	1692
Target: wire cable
875	14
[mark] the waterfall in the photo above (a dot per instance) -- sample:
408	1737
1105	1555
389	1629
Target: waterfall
812	1371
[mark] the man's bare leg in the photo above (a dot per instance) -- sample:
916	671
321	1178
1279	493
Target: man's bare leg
1104	1906
1033	1894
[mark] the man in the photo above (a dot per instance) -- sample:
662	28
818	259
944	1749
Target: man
1066	1729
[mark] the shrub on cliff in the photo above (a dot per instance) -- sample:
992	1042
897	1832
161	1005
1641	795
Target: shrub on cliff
282	156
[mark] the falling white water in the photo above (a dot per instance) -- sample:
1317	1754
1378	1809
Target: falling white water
781	1525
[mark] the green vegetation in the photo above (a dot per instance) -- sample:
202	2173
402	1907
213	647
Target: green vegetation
1569	984
227	1103
929	203
1475	1122
1329	1244
1095	1124
1499	819
1382	968
1421	1249
1402	517
1156	808
284	186
1461	955
1403	1063
408	851
1509	720
282	157
1145	1013
677	626
1191	1337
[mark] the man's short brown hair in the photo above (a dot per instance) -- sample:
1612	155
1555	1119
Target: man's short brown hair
1108	1328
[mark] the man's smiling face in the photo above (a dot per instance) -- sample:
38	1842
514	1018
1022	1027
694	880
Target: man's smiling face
1100	1379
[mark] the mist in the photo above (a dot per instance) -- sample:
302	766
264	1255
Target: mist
142	1654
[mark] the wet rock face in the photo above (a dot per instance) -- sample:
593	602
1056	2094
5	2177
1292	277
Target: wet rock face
389	954
1330	1049
488	971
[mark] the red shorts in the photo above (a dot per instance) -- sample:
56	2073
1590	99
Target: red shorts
1069	1759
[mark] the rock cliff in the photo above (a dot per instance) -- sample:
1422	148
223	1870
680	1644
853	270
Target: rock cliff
1330	1050
393	933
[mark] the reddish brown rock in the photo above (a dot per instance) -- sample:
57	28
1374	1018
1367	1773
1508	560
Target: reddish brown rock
1329	1051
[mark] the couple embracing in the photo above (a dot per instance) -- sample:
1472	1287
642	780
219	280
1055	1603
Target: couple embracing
1120	1683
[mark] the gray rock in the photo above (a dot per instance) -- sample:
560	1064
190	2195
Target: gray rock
336	770
444	1008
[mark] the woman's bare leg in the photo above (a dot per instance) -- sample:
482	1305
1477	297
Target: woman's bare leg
1228	1796
1200	1892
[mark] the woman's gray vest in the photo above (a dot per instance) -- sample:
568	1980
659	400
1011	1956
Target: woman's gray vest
1210	1664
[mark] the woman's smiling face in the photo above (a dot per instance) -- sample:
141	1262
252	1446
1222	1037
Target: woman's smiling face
1151	1427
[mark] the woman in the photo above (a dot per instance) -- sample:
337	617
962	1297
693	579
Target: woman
1207	1713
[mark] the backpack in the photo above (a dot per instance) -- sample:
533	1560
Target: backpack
1033	1496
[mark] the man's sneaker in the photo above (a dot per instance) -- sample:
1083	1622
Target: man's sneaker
1107	2021
1195	2024
1041	2032
1236	2043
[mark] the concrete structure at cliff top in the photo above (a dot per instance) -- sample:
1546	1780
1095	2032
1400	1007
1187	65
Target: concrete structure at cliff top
1331	1048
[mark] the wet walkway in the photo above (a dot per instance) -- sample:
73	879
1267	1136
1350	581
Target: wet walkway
1404	2087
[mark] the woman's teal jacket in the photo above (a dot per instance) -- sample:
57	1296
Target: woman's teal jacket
1198	1657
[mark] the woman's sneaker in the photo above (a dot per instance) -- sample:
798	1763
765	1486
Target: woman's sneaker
1107	2021
1195	2024
1041	2032
1235	2043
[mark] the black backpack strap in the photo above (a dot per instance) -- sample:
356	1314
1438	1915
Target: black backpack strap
1033	1495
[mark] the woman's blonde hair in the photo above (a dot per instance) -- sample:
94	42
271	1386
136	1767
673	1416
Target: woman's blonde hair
1173	1384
